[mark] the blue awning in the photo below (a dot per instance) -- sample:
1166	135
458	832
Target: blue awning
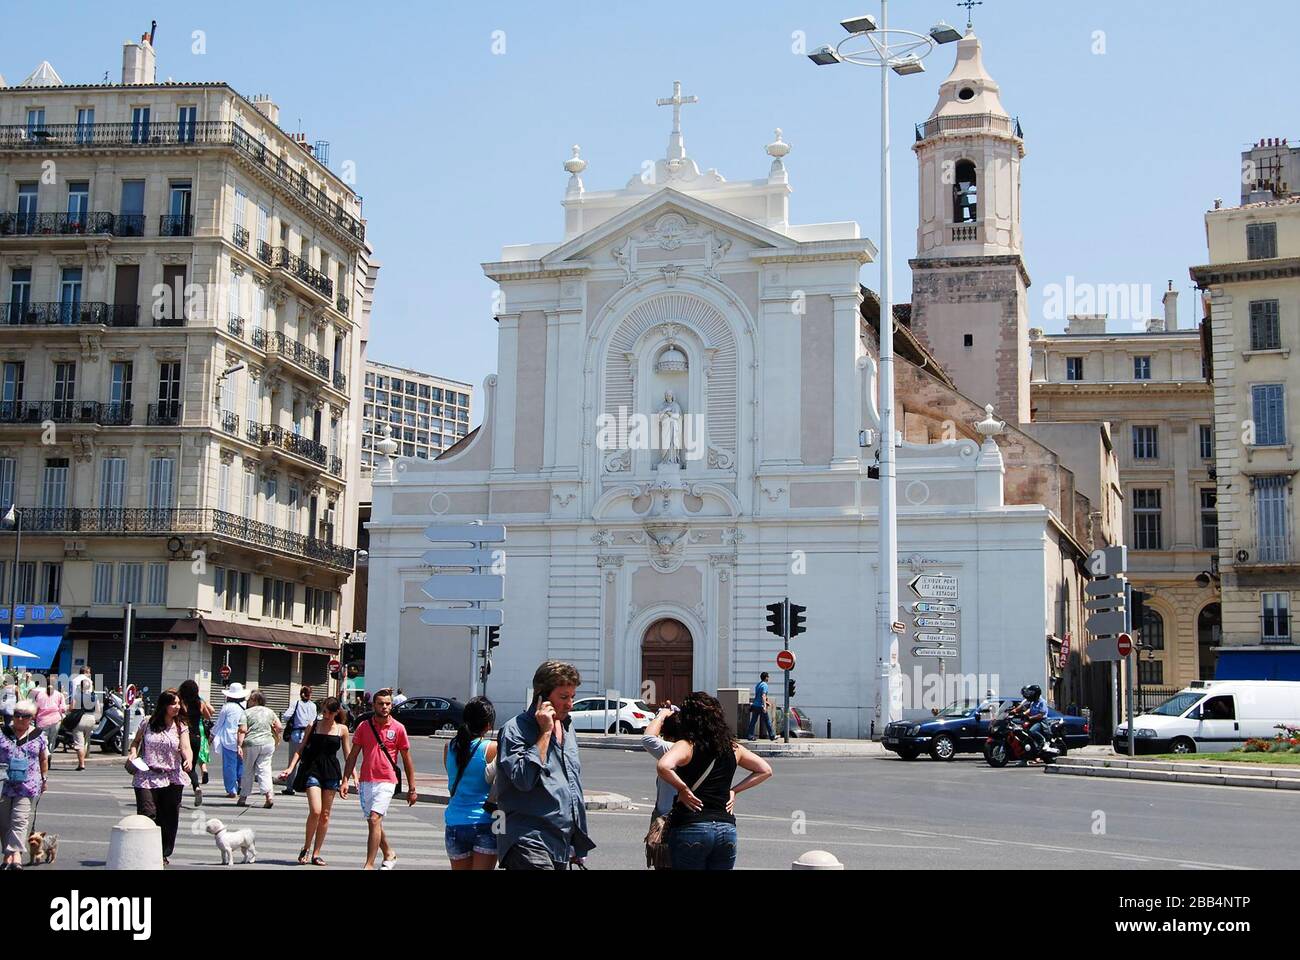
43	640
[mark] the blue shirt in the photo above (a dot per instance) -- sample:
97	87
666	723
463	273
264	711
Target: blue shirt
465	808
542	802
760	691
1036	707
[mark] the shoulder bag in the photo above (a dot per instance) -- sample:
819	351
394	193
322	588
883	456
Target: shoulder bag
657	856
379	740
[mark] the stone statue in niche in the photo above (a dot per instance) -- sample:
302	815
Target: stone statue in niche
670	431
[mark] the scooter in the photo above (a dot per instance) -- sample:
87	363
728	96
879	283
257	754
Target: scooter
108	731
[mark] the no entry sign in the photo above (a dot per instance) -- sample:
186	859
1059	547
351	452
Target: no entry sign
785	660
225	671
1124	644
335	667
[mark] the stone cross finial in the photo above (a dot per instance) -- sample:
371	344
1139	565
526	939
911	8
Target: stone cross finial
970	6
676	146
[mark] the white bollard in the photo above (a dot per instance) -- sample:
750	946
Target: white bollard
817	860
135	844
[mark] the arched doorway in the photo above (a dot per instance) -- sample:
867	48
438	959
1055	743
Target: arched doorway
1209	635
667	655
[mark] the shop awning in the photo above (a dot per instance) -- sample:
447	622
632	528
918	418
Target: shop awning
146	628
221	632
42	639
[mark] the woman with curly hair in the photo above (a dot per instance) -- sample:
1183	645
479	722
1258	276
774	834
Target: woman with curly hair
700	767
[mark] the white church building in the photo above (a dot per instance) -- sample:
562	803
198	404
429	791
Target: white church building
673	442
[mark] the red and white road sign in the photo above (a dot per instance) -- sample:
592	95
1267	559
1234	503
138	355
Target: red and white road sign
1124	644
130	694
225	671
785	660
335	667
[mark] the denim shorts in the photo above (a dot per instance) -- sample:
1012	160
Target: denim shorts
327	785
472	838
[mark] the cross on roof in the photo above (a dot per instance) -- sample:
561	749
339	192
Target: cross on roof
970	6
676	147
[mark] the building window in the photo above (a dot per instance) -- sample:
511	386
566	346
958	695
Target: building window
130	581
186	121
8	482
1206	432
1153	629
1270	417
1272	518
1141	368
1146	520
139	124
158	584
85	124
26	588
968	340
161	484
1151	672
78	202
1261	241
119	391
35	120
1209	518
51	583
112	483
103	583
1265	327
1074	368
54	484
1146	444
1275	617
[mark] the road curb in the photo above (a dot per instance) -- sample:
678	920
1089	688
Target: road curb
592	801
1215	774
804	747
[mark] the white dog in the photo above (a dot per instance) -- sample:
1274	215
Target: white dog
228	840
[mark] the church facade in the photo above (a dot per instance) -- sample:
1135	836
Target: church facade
674	440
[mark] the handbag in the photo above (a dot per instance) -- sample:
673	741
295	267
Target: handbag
657	855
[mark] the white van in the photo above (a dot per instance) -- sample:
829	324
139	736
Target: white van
1212	716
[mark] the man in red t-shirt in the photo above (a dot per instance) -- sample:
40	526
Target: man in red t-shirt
379	739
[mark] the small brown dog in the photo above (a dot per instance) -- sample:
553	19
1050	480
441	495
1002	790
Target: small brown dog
44	847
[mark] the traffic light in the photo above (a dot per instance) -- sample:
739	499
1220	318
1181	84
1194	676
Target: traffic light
493	638
789	688
776	618
797	619
1138	612
354	652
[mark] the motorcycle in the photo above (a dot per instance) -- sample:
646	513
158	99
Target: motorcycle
1009	739
108	730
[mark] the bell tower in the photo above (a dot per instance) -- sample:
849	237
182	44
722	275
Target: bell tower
969	281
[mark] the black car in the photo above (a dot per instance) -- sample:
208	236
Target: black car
425	715
963	727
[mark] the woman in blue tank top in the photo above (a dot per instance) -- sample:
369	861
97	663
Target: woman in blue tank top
470	759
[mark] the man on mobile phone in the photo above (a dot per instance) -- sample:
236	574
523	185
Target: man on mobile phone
380	740
539	778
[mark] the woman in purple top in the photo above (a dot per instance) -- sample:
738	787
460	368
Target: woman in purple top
163	744
26	757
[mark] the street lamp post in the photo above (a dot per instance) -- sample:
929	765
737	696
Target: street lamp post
901	51
14	518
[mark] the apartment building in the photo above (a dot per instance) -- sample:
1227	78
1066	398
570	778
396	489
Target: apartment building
180	287
1151	388
1252	288
426	414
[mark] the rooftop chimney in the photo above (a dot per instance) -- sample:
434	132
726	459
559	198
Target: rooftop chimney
1170	300
1086	323
267	108
139	62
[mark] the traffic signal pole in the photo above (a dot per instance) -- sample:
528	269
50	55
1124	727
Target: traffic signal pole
785	631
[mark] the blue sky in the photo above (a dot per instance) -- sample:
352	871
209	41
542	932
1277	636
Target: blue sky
458	149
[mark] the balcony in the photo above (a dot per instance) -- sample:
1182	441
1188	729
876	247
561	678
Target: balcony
73	136
115	414
235	327
55	224
165	413
230	422
193	521
340	382
172	225
336	466
85	313
976	122
54	411
280	439
1262	554
343	305
264	251
299	268
239	237
296	353
128	225
965	232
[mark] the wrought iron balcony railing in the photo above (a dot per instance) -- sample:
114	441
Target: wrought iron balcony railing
150	521
116	414
235	327
56	411
336	466
970	122
297	354
230	422
128	225
258	338
64	136
296	266
340	382
54	224
174	225
165	413
239	236
22	314
343	305
1275	551
254	431
295	443
264	251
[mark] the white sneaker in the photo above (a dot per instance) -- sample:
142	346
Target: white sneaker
388	864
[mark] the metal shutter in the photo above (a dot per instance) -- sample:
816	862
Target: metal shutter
238	665
273	673
315	672
105	660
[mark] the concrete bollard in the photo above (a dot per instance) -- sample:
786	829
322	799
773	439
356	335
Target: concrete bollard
817	860
135	844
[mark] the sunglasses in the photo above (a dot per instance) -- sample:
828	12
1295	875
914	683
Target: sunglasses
24	716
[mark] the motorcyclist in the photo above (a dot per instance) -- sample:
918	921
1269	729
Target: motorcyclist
1034	709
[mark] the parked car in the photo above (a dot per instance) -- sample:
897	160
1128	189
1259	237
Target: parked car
622	716
1214	715
800	723
963	727
425	715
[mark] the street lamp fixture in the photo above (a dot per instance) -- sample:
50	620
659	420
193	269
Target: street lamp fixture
907	65
824	56
863	24
943	32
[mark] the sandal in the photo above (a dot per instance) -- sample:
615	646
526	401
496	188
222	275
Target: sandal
302	856
318	862
269	804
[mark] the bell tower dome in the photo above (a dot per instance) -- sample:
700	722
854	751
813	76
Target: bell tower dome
969	281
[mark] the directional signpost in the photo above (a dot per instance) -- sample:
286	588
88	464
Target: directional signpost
935	587
1111	619
471	550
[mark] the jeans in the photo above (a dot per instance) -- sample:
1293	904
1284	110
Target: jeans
1042	736
232	769
703	846
162	805
754	714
